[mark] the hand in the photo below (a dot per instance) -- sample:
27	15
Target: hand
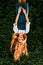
14	24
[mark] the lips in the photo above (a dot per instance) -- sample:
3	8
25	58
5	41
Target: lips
20	40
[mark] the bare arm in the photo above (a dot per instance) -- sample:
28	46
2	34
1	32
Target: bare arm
16	20
17	17
27	19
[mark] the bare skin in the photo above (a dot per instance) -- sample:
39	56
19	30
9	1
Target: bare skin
27	19
17	17
22	1
21	37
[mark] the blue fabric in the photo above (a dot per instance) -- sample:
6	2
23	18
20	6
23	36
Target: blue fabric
22	19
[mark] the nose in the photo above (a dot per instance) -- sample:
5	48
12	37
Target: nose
20	36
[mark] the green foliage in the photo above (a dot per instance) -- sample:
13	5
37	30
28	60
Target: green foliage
35	45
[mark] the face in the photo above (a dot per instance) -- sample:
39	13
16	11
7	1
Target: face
20	38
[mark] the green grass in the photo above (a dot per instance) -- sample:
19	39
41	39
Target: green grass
35	36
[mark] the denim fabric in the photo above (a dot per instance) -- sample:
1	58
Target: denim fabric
22	19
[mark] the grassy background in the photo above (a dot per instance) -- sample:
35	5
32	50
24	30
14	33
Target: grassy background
35	45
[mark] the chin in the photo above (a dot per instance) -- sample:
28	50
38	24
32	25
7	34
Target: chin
18	48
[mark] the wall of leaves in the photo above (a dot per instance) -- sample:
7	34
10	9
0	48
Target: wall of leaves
35	36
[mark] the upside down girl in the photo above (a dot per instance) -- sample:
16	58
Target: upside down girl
19	37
